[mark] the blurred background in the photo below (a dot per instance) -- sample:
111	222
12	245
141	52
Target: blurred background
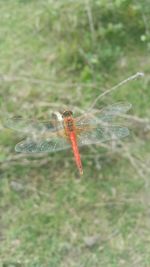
66	53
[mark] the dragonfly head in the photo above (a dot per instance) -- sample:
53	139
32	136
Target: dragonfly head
67	113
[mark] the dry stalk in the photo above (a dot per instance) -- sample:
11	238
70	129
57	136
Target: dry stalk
90	19
133	77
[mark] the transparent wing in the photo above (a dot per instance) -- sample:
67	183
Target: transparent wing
105	115
39	146
28	126
102	134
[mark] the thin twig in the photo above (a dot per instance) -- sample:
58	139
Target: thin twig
90	19
14	78
133	77
136	118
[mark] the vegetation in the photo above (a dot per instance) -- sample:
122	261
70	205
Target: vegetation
66	53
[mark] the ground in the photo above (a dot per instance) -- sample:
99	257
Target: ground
62	53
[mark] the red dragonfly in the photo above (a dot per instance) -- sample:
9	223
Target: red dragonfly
65	131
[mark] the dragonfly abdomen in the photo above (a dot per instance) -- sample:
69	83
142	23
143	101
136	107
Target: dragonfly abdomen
76	153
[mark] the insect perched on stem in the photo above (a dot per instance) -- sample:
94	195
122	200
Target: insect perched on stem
64	131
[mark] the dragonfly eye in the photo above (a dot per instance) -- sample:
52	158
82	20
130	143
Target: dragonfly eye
67	113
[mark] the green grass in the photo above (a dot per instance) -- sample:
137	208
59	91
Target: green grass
53	55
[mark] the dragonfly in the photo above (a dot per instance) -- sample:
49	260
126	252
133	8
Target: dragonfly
63	130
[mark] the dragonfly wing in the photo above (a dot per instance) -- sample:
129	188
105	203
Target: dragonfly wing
102	134
30	126
39	146
111	111
117	108
106	114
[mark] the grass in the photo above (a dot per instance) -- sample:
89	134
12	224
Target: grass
65	53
